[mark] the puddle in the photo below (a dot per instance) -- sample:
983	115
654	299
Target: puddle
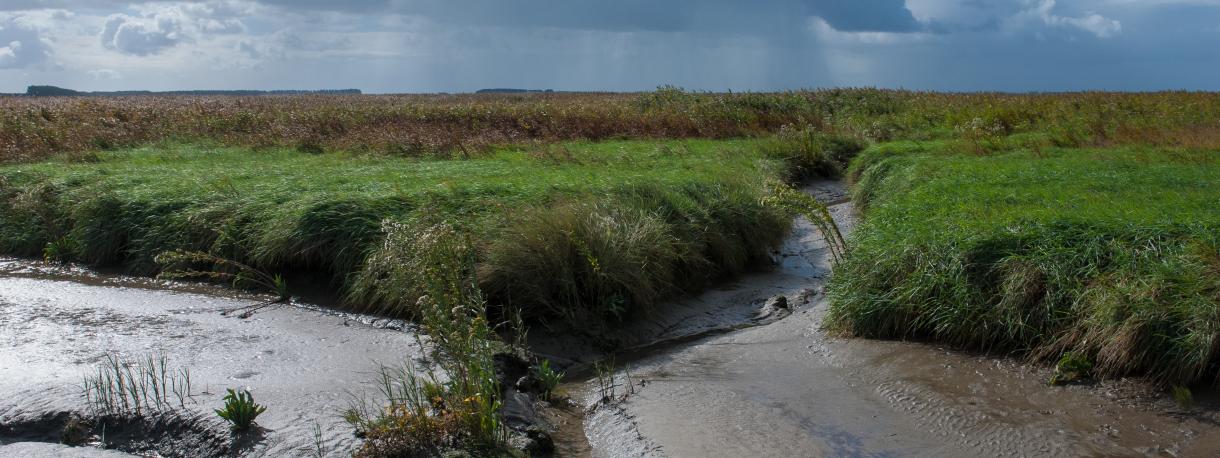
303	363
787	389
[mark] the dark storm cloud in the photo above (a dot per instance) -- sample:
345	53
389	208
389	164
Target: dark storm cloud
458	45
865	15
727	15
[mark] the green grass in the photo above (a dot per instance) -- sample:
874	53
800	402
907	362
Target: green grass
1110	253
579	230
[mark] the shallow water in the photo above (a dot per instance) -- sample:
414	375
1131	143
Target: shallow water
304	364
785	388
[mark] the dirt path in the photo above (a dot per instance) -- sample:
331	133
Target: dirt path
304	365
787	389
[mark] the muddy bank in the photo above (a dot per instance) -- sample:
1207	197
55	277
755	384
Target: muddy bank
787	389
303	363
740	303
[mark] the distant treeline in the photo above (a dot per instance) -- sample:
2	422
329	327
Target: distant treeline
503	90
54	91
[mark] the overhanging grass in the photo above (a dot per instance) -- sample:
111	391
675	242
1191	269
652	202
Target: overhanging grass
681	211
1112	253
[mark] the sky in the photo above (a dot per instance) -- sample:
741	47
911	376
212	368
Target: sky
382	46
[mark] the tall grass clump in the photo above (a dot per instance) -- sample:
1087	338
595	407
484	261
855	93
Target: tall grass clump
807	152
1108	255
459	407
135	387
598	262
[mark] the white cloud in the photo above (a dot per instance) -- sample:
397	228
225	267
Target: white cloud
8	54
104	74
1091	22
141	36
20	44
223	26
829	35
160	26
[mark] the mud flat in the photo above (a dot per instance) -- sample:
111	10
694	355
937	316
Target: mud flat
785	388
303	363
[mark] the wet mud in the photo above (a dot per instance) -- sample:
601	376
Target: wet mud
786	388
304	363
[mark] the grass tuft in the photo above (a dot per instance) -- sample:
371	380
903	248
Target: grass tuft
135	387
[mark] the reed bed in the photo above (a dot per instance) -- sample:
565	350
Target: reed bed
34	128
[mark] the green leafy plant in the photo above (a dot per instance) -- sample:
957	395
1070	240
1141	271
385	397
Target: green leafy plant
60	250
549	377
1183	396
240	409
1072	366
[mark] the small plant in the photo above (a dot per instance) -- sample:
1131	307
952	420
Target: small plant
549	377
135	386
240	409
319	442
61	250
1183	396
605	379
1072	366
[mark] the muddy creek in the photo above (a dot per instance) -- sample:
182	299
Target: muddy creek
305	365
741	370
786	388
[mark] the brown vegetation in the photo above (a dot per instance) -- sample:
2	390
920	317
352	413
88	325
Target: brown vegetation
413	125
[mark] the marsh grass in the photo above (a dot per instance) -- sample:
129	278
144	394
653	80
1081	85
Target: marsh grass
808	152
466	126
457	405
1108	254
633	222
135	387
